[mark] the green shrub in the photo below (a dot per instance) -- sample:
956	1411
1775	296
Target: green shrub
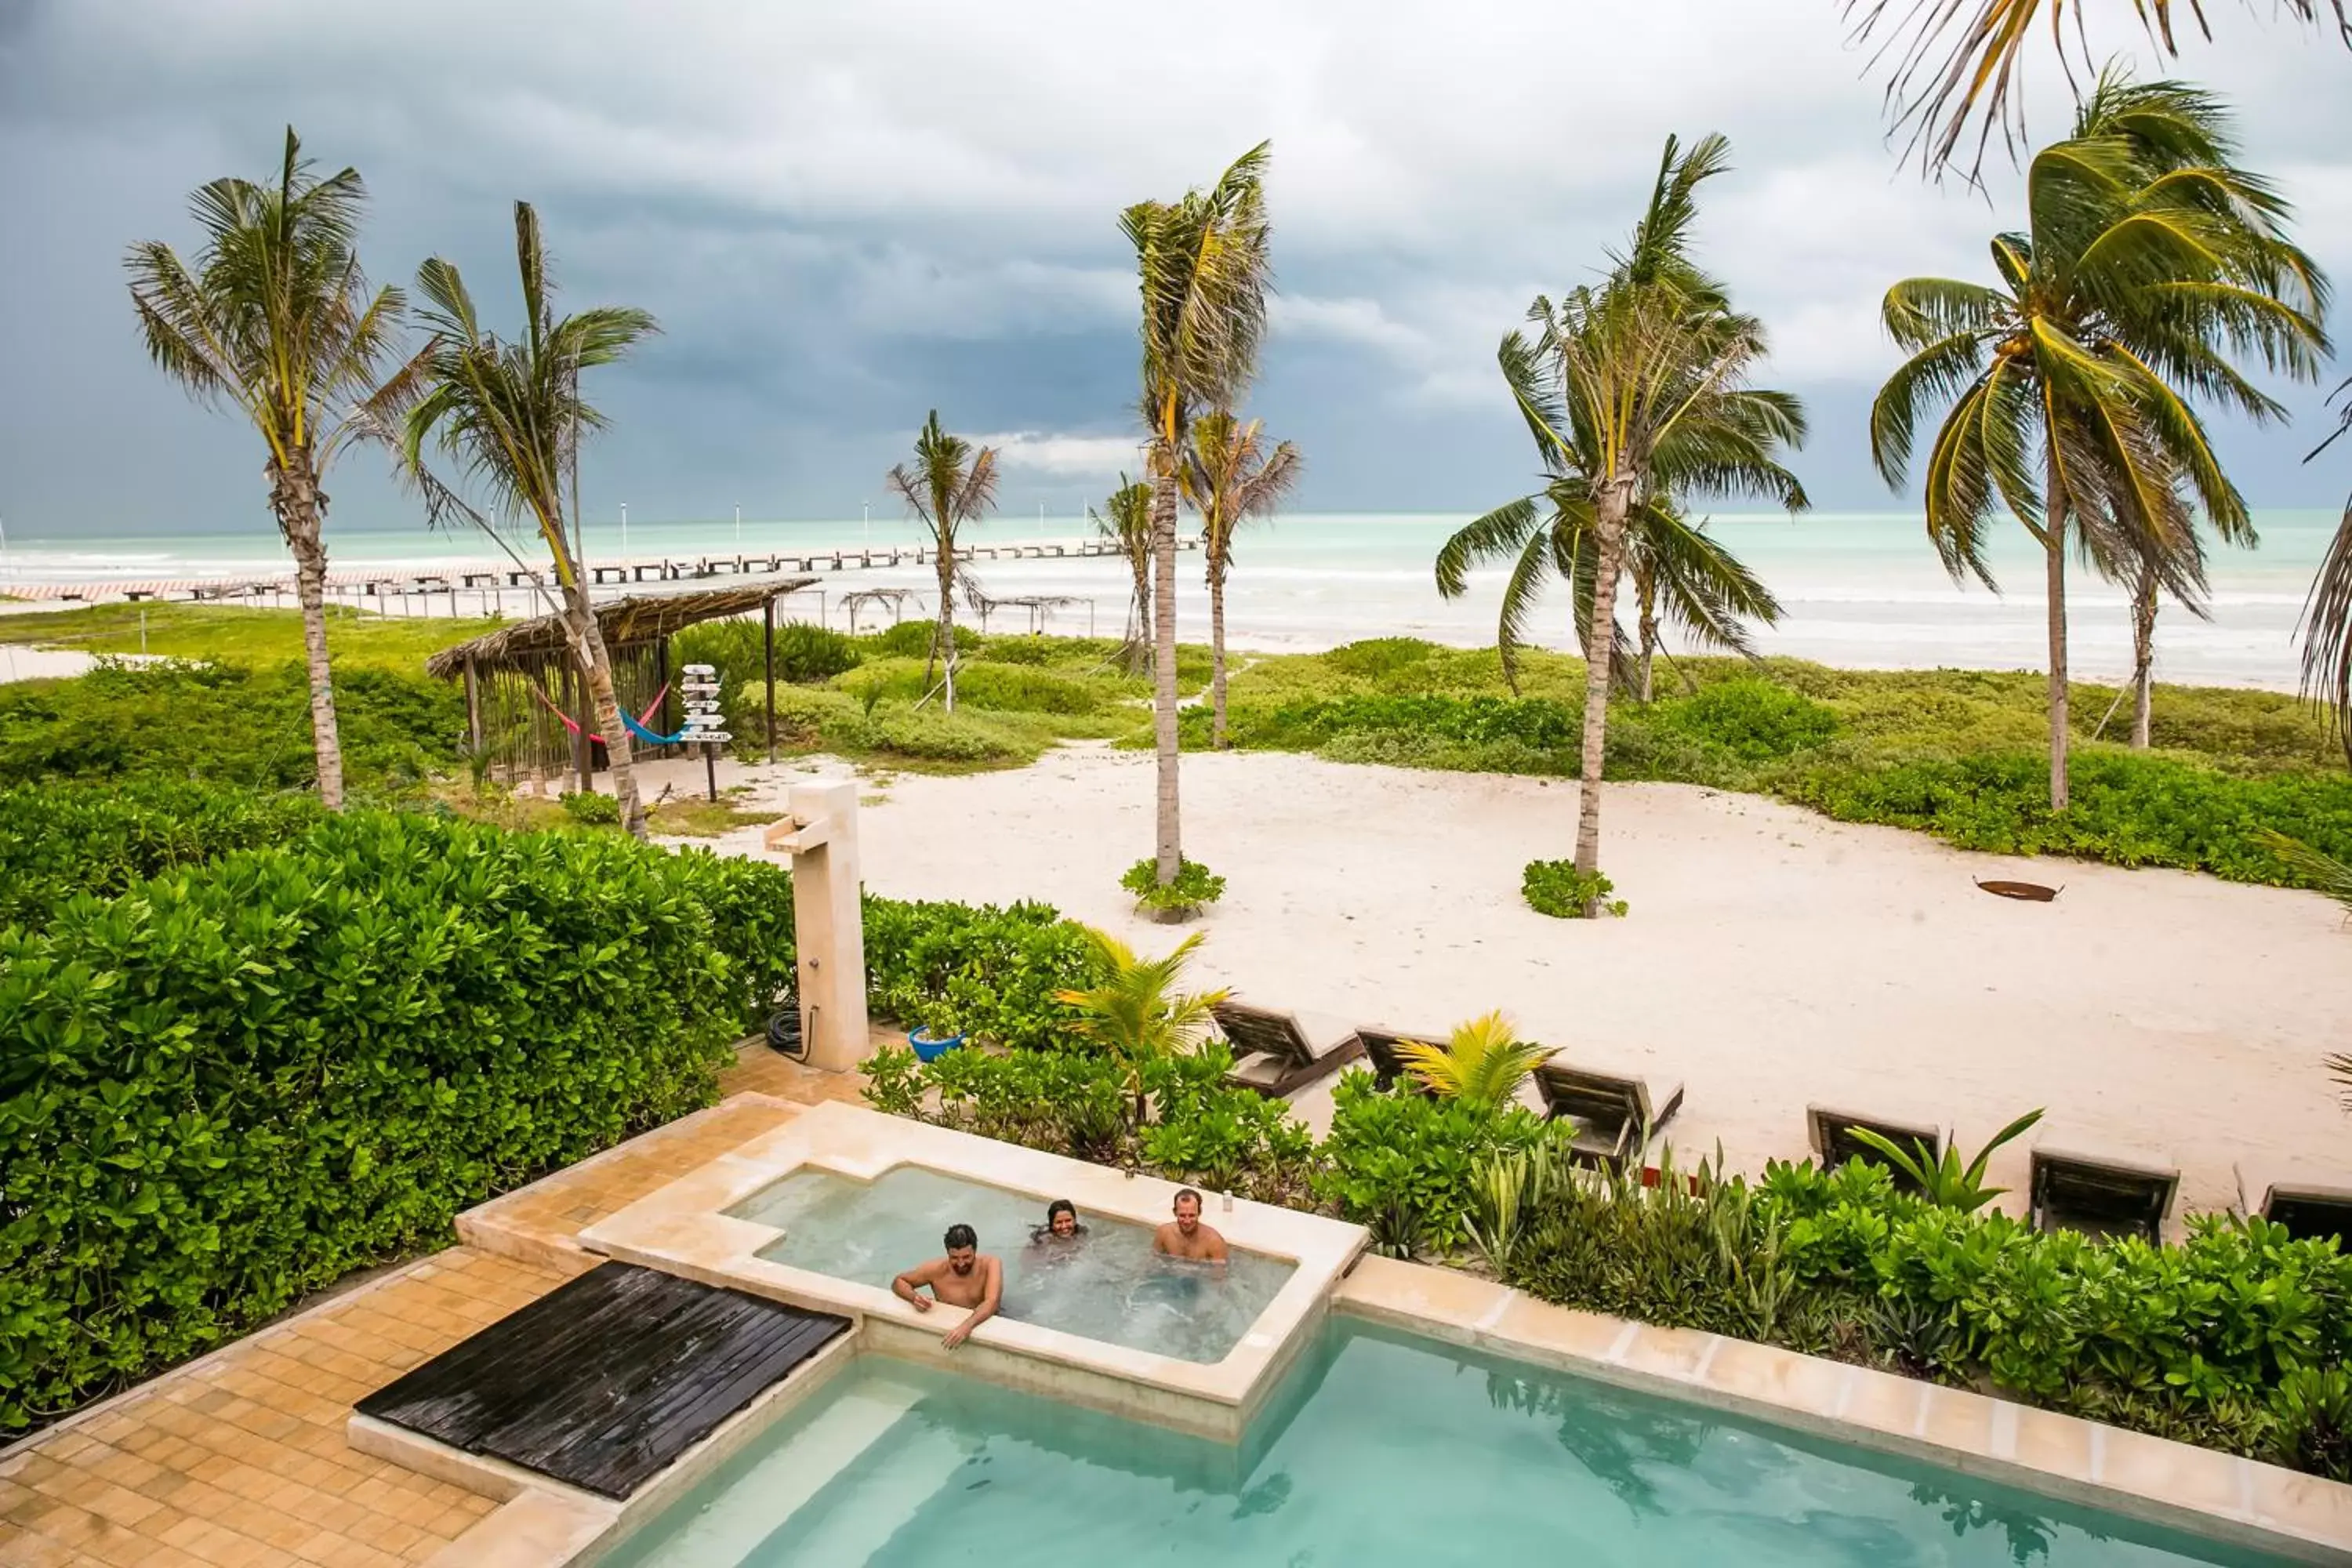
1007	688
750	907
1558	889
229	724
806	653
241	1081
1404	1164
912	639
987	973
61	839
591	809
1753	719
1195	886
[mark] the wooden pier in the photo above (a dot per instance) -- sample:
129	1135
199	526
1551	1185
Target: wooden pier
487	577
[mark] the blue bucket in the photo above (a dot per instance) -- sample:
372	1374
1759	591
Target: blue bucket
930	1048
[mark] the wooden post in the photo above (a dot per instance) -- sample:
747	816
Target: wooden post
768	639
661	681
583	751
472	709
711	769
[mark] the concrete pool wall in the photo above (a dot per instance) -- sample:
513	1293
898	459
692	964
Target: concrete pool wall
681	1227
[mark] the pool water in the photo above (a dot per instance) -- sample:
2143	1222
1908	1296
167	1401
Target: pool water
1383	1450
1107	1285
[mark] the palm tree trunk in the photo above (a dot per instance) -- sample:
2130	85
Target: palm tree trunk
944	639
1168	852
1609	531
2054	547
294	495
596	666
2143	658
1217	658
1645	594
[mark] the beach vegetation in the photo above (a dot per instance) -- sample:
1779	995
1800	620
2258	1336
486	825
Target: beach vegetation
1204	263
1637	392
2069	387
1194	888
1483	1061
991	973
273	317
1556	887
239	634
508	414
1405	1166
2327	628
1132	1008
590	809
1230	476
1126	519
951	485
1943	1180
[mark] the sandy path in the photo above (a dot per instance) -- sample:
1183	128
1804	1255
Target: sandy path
1773	957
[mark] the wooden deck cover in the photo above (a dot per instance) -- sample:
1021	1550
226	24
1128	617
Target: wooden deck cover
605	1379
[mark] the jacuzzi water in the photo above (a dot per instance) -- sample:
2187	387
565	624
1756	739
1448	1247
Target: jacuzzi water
1107	1285
1382	1450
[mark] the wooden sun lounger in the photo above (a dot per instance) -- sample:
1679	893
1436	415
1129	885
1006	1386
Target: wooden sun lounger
1829	1130
1382	1049
1276	1053
2101	1191
1615	1113
2311	1207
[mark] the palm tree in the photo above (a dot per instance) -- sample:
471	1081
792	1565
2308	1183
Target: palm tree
274	317
2069	382
1680	574
1637	389
949	485
1203	265
510	414
2327	614
1230	478
1482	1063
1951	60
1133	1008
1125	519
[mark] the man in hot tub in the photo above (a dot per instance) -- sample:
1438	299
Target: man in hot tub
966	1277
1186	1236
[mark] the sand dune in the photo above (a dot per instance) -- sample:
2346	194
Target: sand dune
1772	958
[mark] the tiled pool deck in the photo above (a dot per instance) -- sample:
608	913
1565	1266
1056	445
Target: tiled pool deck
243	1457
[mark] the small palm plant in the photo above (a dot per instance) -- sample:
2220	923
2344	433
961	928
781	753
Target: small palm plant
1126	521
1232	476
1134	1009
1482	1064
1946	1183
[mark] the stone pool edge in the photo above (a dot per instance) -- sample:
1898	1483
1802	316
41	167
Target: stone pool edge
2201	1491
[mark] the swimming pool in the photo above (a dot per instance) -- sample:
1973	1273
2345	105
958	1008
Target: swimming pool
1381	1450
1109	1287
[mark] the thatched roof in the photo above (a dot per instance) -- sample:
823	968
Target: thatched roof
626	623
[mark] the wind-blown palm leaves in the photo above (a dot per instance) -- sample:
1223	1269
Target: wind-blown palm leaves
1482	1063
2327	614
1133	1008
1951	61
2148	262
1232	476
1126	519
508	414
1636	392
949	485
1204	267
274	317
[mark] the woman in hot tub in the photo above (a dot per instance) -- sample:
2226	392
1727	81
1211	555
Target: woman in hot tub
1061	1233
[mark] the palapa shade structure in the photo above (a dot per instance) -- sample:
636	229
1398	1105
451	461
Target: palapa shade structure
521	682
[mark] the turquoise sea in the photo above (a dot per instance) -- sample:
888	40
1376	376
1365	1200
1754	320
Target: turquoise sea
1862	589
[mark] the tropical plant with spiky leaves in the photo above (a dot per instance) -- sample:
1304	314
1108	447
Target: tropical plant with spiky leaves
1482	1063
1637	394
1943	1180
273	316
1949	62
1134	1010
1126	521
2148	262
1232	476
1204	265
950	484
510	415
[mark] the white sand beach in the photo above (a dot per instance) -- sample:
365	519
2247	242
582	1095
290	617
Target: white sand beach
1772	958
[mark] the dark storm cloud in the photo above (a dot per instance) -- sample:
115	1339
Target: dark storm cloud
845	215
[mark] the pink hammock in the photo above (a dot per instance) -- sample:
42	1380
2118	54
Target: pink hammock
574	724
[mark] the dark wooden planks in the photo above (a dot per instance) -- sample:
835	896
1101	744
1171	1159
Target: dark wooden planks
605	1379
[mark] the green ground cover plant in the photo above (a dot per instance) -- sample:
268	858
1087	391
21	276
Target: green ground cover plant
233	634
58	840
1194	888
1556	887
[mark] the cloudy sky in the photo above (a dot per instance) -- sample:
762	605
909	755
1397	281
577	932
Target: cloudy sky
844	213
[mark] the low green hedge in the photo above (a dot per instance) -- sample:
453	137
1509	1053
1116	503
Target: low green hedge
978	970
239	1081
60	840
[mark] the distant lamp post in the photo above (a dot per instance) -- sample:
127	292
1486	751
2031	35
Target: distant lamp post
739	524
625	528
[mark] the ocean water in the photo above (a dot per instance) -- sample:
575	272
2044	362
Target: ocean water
1106	1285
1858	589
1382	1451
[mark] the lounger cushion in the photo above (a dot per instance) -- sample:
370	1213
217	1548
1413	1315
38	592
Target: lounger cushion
1604	1098
1826	1130
2094	1190
1286	1035
2310	1204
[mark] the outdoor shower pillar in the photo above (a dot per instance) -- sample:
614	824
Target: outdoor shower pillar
819	833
